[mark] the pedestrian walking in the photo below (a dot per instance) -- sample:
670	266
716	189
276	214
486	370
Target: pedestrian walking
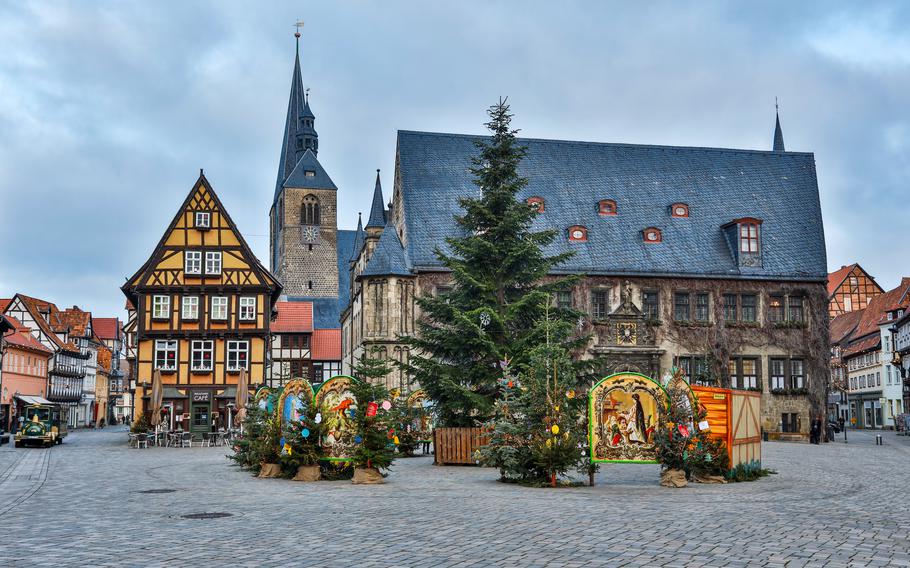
815	431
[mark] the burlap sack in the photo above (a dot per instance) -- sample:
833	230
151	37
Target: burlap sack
270	470
673	478
708	479
307	473
366	476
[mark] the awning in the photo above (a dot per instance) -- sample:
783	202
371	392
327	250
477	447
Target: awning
169	392
229	392
33	399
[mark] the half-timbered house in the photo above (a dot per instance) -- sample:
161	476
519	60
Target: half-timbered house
203	303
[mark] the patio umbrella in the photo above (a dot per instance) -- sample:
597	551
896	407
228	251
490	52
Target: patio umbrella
156	398
243	394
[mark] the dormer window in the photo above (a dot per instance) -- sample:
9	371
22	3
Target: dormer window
652	235
309	173
748	237
679	210
578	233
203	220
606	207
536	203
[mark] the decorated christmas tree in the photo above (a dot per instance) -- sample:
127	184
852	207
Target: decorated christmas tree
259	443
300	440
498	267
373	422
537	433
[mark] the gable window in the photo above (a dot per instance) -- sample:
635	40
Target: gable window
219	307
166	355
536	203
161	307
201	355
237	355
309	173
652	235
650	304
248	308
679	210
606	207
748	237
578	233
203	220
192	262
600	304
213	262
309	210
564	299
190	307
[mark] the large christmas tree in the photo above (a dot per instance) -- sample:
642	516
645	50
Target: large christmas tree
498	267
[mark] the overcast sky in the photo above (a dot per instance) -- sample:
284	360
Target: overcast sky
108	110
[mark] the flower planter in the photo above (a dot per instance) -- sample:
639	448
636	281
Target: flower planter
269	470
366	476
673	478
307	473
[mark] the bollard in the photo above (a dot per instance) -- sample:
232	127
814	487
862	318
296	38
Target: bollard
878	440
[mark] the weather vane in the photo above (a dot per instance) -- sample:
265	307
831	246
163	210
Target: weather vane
298	25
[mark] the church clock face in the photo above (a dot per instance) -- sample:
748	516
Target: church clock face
310	234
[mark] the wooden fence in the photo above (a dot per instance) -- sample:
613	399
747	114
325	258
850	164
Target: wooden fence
733	417
457	445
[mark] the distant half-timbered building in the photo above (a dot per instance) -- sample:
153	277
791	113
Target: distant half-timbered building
203	304
850	288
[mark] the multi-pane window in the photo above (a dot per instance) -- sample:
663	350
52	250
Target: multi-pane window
192	262
701	306
600	304
203	219
748	237
161	307
797	374
190	307
730	307
776	308
778	374
564	299
237	355
201	357
681	311
166	355
743	372
219	308
795	308
295	341
650	304
789	422
748	305
248	308
788	374
213	262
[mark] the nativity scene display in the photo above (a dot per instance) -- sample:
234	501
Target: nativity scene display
624	412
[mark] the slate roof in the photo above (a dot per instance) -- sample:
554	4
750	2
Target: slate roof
778	145
388	258
293	317
359	238
377	209
719	185
296	105
298	177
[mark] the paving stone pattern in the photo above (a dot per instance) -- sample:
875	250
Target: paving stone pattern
79	505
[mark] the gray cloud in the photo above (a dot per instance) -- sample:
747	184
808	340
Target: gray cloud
108	110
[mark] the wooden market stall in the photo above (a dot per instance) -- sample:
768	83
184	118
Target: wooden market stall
733	417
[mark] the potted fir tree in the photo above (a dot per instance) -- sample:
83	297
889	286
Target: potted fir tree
301	452
374	433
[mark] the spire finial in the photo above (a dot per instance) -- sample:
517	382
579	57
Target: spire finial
778	145
298	25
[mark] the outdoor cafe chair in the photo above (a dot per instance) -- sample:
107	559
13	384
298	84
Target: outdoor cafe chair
142	440
186	440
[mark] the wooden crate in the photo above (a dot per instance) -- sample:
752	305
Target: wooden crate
733	417
457	445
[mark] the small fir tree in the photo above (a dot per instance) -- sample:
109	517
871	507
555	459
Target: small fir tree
374	432
301	440
260	440
498	268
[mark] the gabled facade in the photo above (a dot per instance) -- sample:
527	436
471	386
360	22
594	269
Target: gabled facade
203	305
67	371
850	288
24	369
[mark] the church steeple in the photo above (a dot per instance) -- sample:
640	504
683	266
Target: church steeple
377	210
778	133
299	131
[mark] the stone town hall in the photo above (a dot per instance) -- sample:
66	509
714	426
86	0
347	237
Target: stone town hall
708	259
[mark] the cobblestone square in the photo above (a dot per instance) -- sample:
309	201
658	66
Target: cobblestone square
80	504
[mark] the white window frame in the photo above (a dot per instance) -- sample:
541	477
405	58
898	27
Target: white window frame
234	348
219	309
192	262
778	381
198	349
161	307
165	346
190	308
203	220
213	262
247	311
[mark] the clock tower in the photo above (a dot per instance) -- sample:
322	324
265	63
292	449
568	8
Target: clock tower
303	218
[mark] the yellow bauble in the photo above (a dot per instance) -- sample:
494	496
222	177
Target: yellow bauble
395	440
556	408
548	443
555	429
